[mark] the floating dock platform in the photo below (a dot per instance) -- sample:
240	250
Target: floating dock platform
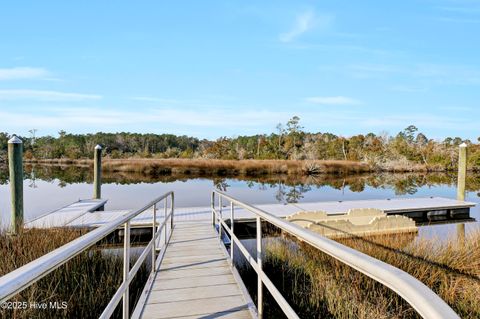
85	213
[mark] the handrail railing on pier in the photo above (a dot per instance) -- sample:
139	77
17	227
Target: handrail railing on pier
420	297
21	278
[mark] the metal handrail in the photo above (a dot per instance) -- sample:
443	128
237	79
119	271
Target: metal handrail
21	278
426	302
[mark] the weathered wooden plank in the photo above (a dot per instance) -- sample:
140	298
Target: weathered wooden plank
97	219
63	216
184	294
194	265
193	251
195	279
197	308
192	282
243	314
195	272
192	259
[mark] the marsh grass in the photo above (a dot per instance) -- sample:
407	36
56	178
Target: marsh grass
202	167
86	283
318	286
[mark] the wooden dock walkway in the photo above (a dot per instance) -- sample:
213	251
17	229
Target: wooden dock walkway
195	279
192	277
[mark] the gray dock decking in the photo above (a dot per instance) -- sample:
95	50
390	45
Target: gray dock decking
195	279
61	217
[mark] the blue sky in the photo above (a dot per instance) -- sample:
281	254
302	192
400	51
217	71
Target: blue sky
227	68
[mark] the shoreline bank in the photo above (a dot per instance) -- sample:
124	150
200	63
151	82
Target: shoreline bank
238	167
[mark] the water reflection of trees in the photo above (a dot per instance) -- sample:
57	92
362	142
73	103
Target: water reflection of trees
286	188
220	184
290	194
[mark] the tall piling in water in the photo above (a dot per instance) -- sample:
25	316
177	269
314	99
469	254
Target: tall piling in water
461	182
15	166
462	171
97	173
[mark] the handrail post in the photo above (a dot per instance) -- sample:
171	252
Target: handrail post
232	243
220	217
212	205
154	231
165	225
15	164
126	269
171	211
259	262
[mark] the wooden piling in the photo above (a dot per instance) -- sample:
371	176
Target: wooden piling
15	163
97	173
461	181
462	171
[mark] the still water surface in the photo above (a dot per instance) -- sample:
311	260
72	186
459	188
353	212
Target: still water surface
48	188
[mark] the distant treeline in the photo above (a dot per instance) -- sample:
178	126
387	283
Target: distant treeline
408	148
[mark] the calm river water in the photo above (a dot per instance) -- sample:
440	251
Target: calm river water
48	188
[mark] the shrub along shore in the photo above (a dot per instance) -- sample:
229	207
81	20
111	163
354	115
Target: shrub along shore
408	150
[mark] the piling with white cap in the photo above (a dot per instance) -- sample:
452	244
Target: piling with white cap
15	165
97	173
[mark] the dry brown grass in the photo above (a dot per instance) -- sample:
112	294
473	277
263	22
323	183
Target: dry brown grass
220	167
320	287
86	283
60	161
200	166
233	167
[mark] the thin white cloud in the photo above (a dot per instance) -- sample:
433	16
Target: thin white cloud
423	121
160	100
458	20
41	95
457	108
303	23
463	10
205	122
93	119
23	73
332	100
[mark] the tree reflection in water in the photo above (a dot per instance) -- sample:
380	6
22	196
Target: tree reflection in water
288	189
